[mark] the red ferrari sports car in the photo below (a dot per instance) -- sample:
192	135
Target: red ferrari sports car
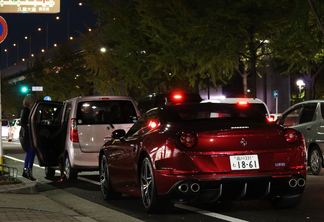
204	152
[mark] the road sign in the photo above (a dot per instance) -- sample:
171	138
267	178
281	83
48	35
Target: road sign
275	93
3	29
47	98
30	6
37	88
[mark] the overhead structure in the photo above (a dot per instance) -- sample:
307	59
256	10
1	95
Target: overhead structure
30	6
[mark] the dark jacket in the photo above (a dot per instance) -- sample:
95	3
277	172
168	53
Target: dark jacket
24	136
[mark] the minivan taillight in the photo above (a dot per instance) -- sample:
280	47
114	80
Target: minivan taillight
291	135
74	137
188	139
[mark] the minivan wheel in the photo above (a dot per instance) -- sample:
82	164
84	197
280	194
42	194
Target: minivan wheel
70	173
49	172
105	182
315	161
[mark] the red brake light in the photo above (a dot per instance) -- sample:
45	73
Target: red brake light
242	103
153	124
189	139
74	137
291	135
177	97
270	119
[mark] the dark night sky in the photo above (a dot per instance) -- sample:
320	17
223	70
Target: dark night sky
20	25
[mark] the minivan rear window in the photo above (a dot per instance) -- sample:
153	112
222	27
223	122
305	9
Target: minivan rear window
106	112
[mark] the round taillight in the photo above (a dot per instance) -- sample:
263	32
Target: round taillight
152	124
188	139
291	135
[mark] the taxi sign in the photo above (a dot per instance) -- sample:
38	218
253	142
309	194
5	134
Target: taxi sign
3	29
30	6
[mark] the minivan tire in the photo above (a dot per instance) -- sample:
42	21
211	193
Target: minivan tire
70	173
49	172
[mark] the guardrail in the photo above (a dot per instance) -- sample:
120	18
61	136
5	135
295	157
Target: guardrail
8	174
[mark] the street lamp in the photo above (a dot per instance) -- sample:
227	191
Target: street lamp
6	51
40	29
17	47
29	38
300	84
103	50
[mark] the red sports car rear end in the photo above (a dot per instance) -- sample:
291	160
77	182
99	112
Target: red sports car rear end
206	152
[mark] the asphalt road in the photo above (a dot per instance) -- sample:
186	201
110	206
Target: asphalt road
310	209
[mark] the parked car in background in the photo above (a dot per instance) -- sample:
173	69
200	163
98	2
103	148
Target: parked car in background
308	118
204	152
14	129
76	129
5	128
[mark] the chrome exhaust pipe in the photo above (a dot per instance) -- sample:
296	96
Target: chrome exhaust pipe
183	188
301	182
195	187
292	183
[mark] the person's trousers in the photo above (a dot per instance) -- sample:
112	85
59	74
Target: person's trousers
29	158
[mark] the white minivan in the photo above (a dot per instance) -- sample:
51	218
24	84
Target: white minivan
75	130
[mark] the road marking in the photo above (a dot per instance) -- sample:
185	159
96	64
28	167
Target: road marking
89	181
57	171
208	213
22	161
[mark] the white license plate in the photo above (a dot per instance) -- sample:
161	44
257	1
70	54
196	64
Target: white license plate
244	162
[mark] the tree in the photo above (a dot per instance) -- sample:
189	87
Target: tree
63	76
300	44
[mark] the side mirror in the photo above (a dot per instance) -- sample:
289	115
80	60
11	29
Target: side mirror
118	134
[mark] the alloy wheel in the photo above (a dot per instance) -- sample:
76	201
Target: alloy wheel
147	183
315	162
103	177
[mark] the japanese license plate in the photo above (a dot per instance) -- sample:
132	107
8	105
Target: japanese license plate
244	162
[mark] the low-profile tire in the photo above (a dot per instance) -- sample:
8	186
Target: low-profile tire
69	172
315	161
286	201
152	203
49	172
105	182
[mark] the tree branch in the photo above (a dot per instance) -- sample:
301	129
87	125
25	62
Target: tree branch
319	70
313	10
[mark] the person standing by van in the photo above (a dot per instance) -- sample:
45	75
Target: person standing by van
24	137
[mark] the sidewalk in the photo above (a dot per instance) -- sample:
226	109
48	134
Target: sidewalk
21	202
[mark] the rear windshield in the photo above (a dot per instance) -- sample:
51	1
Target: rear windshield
205	111
106	112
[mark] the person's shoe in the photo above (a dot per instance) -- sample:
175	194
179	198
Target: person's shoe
62	179
30	175
25	173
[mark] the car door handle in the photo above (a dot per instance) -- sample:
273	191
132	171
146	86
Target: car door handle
308	128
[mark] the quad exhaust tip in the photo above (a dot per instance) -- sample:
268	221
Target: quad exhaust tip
195	187
292	183
183	188
300	182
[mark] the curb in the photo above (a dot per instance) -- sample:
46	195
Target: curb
24	186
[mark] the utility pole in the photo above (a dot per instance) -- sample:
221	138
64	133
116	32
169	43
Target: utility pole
1	150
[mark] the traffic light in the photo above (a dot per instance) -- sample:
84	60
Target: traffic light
24	89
